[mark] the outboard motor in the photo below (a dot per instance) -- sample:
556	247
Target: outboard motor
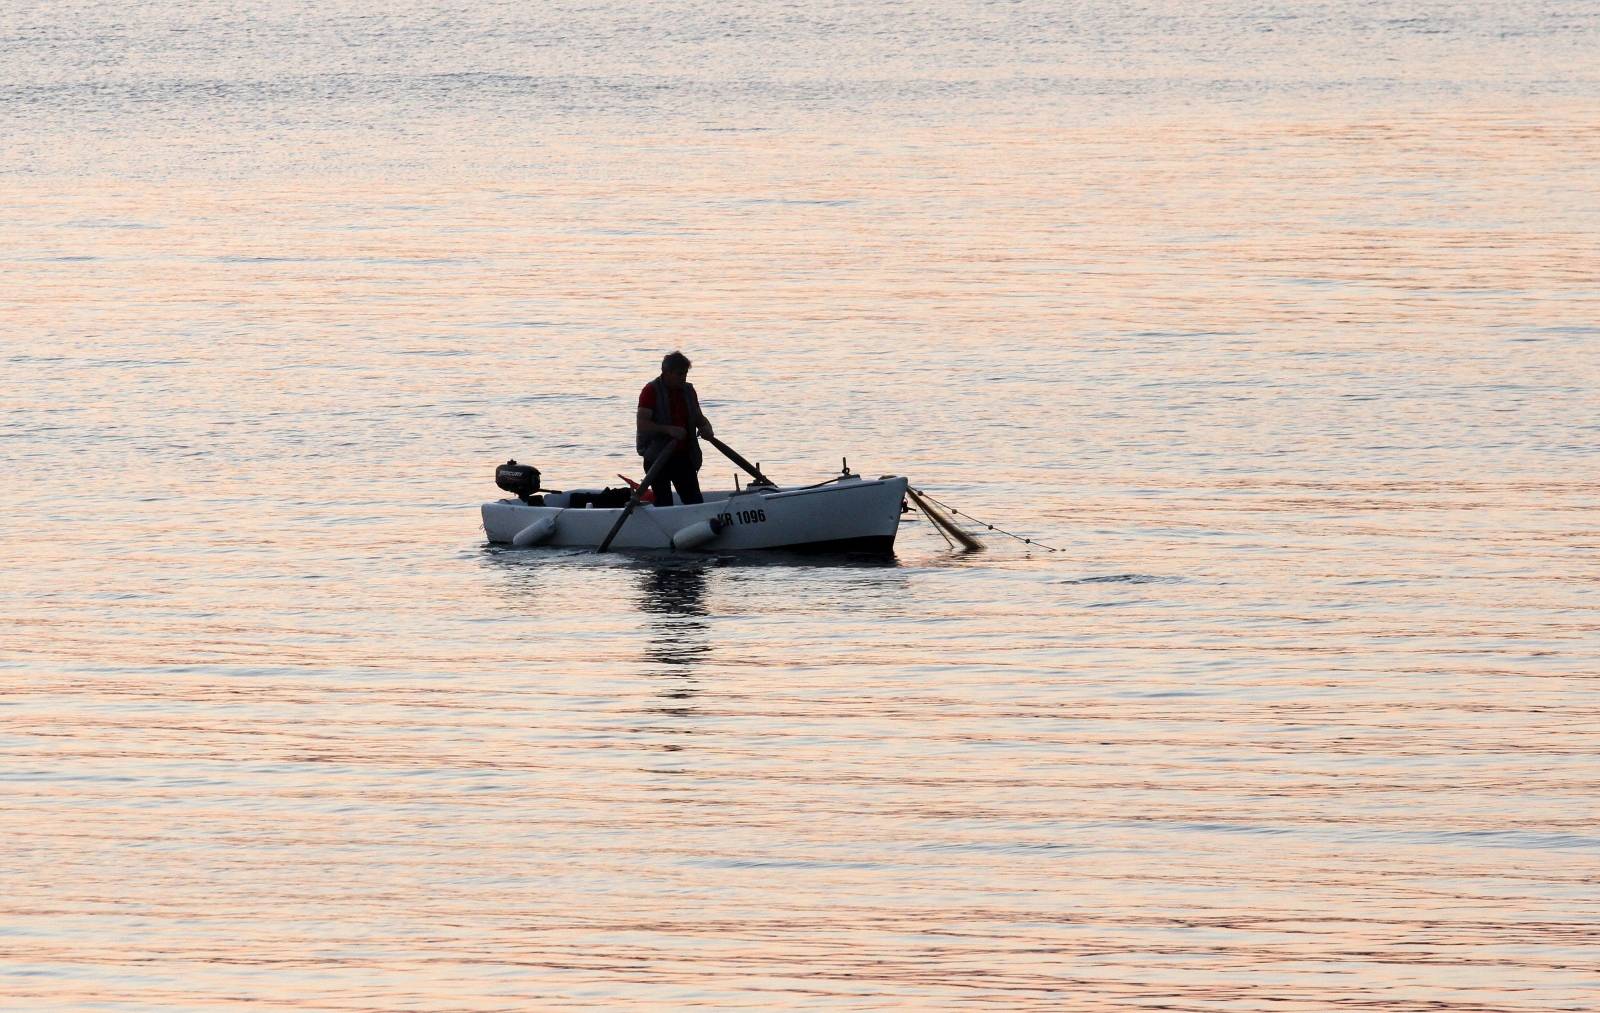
521	480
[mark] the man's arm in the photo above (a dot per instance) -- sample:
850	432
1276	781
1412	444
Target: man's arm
704	425
648	424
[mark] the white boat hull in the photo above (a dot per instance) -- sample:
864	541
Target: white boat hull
851	514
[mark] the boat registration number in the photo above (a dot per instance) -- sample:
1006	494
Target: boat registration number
757	516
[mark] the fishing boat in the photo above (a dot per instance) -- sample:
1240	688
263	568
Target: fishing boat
847	513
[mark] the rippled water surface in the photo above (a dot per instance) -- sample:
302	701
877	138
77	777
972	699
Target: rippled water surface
1280	324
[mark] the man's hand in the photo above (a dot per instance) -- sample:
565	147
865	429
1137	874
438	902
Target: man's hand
705	429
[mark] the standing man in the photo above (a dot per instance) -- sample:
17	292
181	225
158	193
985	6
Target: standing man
669	423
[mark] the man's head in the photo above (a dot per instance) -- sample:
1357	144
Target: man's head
675	369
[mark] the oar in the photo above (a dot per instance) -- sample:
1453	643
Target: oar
733	455
633	501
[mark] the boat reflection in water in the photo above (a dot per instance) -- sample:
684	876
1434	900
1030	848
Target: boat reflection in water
673	595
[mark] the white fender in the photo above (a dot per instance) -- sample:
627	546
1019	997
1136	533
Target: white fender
696	535
534	533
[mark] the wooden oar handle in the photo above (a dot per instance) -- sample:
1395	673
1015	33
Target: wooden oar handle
633	501
733	455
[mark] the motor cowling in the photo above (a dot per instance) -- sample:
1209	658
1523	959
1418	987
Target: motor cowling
521	480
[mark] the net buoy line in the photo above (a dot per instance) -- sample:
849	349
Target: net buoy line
950	529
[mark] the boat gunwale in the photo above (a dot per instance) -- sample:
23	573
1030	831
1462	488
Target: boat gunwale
832	485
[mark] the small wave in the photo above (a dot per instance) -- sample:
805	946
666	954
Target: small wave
768	863
541	324
1186	334
1124	578
110	223
559	399
1531	840
1575	330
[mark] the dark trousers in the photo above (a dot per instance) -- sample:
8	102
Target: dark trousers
684	474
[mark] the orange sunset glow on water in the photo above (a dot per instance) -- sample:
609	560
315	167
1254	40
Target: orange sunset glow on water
1278	325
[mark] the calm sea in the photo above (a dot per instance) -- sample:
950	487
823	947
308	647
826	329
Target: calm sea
1281	323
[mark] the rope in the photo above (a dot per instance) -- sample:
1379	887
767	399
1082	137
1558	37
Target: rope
991	527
